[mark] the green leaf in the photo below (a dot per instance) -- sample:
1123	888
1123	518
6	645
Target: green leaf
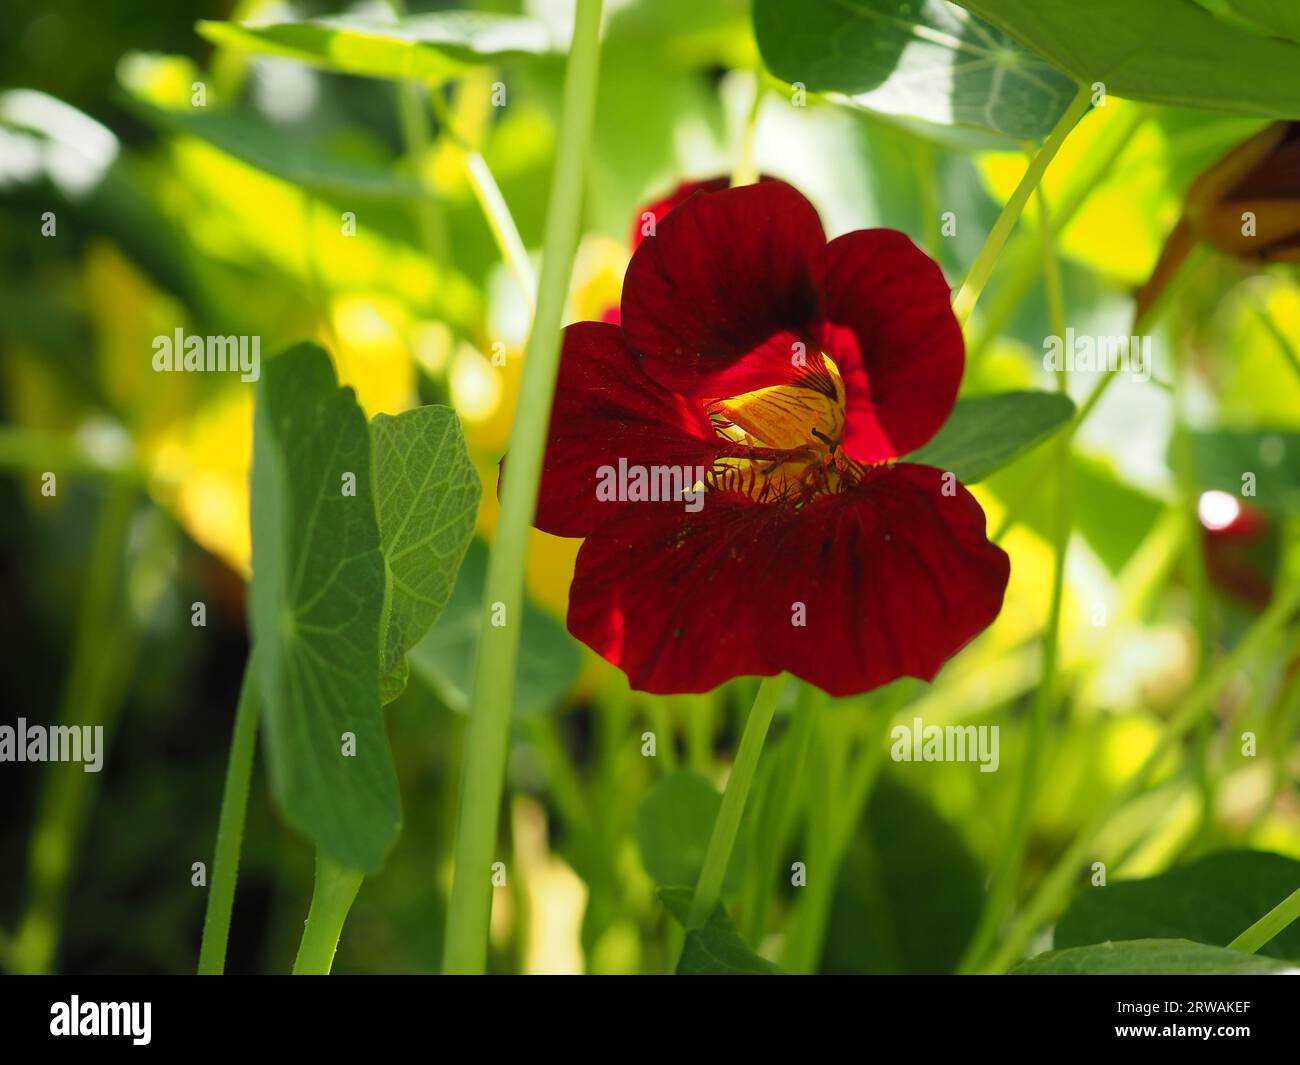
1221	458
1280	17
674	821
317	602
715	949
985	433
1211	901
908	894
921	59
281	151
1148	957
436	46
1162	51
549	659
427	503
393	682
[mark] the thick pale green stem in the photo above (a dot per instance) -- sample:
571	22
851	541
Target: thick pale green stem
230	829
982	269
1056	886
708	889
331	899
487	741
1270	926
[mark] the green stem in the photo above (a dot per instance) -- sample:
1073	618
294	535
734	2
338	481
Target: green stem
982	269
1003	885
493	204
103	651
487	741
698	711
418	137
708	889
1198	579
230	828
780	808
661	724
563	781
848	800
331	899
1055	887
1017	277
928	188
1269	926
744	172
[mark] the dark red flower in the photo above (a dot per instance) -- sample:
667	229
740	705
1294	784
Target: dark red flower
1240	548
648	219
729	451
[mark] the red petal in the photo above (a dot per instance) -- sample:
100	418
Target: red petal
606	409
658	210
894	578
718	298
892	333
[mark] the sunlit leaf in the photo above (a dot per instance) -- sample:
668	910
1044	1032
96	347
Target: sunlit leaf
985	433
923	59
1163	51
282	152
433	46
315	610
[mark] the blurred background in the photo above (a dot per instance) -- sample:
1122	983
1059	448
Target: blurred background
232	227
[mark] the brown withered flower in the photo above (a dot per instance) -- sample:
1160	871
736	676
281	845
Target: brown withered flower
1247	205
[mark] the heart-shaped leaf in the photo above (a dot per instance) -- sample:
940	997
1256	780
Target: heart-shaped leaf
908	894
674	821
1149	957
1211	901
435	46
717	948
316	611
985	433
281	152
918	59
428	497
1163	51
